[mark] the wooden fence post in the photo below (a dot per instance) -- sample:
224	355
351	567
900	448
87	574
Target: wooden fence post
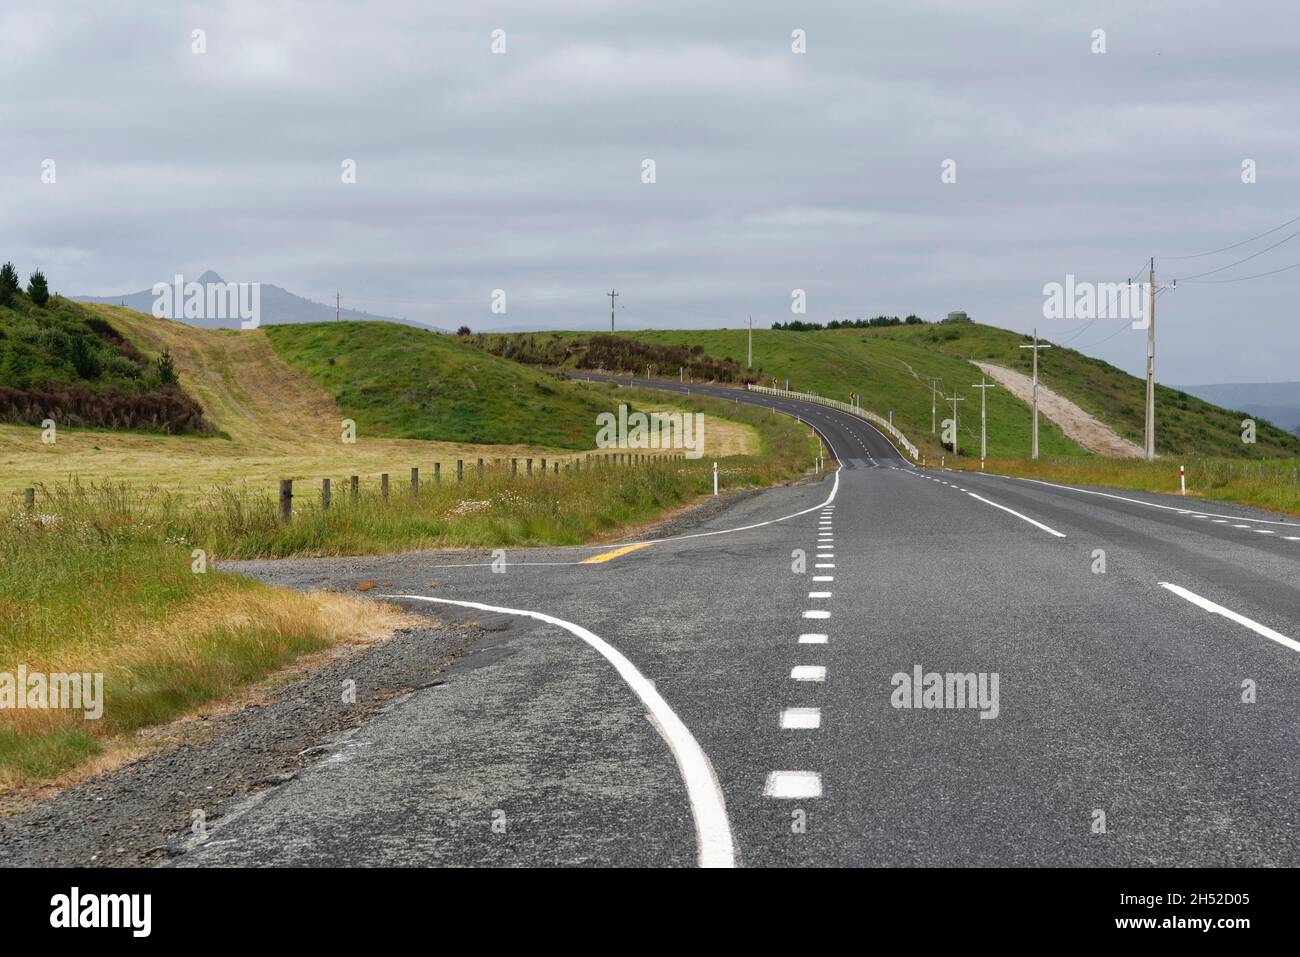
437	473
354	487
530	466
324	493
514	466
460	470
415	482
383	485
286	500
29	500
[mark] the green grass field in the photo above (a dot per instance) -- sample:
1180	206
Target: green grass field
405	383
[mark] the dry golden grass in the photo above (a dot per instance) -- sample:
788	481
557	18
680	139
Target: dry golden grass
279	422
214	648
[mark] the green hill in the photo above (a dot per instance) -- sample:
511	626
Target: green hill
400	382
890	368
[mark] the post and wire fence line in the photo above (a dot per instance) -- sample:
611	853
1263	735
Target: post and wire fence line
513	467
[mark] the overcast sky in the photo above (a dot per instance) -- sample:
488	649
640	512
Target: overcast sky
774	170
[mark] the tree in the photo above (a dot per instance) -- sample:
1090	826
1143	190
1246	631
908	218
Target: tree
166	367
9	284
37	289
463	331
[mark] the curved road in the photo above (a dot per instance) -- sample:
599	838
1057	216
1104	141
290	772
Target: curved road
890	666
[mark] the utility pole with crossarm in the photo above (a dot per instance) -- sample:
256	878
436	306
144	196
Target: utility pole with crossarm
984	432
612	295
954	399
1033	453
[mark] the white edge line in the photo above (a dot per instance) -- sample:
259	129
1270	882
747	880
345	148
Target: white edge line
1050	531
708	806
1231	615
1138	501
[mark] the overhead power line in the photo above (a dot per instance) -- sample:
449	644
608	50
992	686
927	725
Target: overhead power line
1210	272
1244	242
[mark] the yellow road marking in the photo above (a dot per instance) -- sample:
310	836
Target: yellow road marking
616	553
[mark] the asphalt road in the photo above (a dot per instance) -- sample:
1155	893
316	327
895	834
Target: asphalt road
729	696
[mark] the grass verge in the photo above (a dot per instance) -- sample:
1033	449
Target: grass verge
1272	484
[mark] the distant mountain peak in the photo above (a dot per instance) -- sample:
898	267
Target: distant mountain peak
210	276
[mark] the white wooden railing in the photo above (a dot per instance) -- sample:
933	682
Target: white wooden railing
877	420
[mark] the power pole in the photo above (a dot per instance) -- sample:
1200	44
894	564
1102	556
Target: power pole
984	432
612	296
336	307
751	342
954	399
1151	364
934	403
1033	452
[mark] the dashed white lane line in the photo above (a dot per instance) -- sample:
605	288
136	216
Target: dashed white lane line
708	807
1231	615
816	614
823	578
799	719
1264	531
808	672
819	594
1012	511
1241	526
825	554
1292	538
812	638
823	565
793	785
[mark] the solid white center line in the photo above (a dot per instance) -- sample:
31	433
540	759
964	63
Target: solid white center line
808	672
812	638
1231	615
793	785
817	614
801	718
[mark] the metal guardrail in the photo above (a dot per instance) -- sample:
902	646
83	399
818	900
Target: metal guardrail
877	420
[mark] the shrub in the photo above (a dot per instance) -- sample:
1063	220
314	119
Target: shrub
37	289
9	284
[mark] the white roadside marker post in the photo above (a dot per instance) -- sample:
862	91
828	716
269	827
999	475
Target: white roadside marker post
1182	479
715	478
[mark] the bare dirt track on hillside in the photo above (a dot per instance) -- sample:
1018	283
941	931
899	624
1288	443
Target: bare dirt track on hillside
1087	430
